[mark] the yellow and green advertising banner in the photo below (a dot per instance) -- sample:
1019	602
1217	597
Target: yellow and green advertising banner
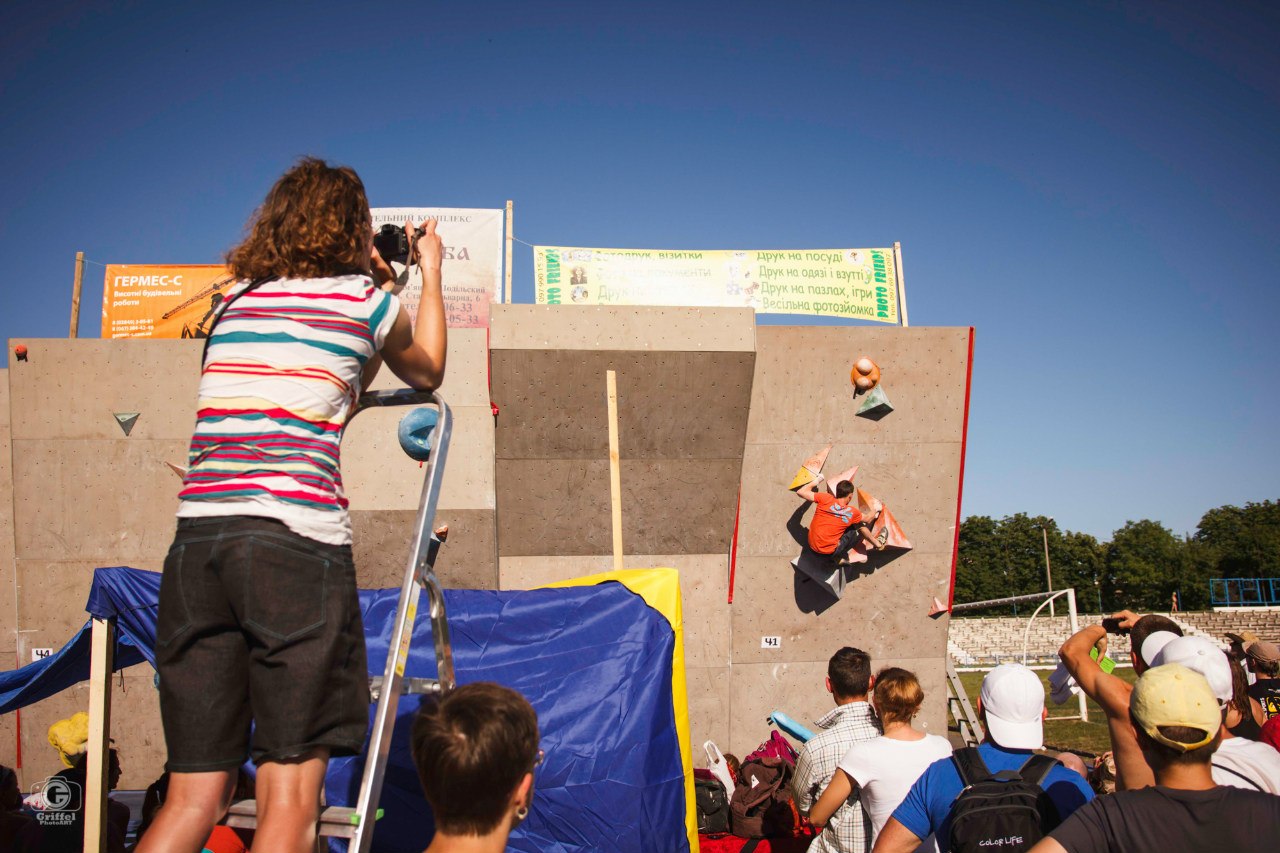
861	284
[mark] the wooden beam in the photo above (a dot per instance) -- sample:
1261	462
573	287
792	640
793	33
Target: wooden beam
75	296
101	663
506	292
615	473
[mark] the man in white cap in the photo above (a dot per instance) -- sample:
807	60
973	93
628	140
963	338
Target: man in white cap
1179	727
1011	709
1147	635
1239	762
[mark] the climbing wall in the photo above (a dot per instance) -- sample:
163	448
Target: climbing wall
784	626
86	495
384	485
687	379
684	386
9	650
707	401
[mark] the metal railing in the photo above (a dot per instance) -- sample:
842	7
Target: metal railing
1244	592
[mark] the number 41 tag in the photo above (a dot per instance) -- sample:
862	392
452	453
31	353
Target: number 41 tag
770	642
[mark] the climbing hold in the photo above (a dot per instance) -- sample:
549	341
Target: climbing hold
815	462
865	375
415	433
876	405
803	478
888	532
938	607
21	352
811	469
180	470
842	476
127	420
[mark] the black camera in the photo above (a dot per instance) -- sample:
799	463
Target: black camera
392	243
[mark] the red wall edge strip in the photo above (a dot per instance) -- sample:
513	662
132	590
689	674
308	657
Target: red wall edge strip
733	548
964	446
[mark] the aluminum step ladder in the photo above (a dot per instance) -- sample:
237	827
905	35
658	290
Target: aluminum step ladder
966	721
357	822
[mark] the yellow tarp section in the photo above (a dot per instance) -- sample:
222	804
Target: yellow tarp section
660	588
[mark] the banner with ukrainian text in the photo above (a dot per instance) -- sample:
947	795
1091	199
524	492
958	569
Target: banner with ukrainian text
860	284
162	301
472	267
181	300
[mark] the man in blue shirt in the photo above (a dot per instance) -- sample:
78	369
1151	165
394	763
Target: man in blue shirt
1011	708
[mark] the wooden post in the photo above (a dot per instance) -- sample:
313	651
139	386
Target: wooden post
101	662
510	239
615	473
902	285
75	296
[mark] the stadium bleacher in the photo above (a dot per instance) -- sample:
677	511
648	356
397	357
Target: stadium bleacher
987	641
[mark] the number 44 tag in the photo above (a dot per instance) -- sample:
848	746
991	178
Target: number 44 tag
770	642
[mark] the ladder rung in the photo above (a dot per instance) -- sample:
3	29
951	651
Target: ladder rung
408	686
335	821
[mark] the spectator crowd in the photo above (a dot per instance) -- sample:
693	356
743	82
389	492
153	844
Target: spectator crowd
1194	762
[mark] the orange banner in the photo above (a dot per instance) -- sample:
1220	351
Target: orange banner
153	301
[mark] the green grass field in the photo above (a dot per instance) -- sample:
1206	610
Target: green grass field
1072	735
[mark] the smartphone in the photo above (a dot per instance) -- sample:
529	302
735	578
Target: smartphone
1112	626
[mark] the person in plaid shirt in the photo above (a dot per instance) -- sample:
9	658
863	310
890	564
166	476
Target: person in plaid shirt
852	721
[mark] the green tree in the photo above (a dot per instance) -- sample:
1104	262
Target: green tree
1242	542
1145	565
1079	561
999	559
977	560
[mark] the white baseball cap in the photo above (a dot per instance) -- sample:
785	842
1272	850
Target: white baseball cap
1013	699
1202	656
1152	645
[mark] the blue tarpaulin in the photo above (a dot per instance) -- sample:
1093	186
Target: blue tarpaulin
594	661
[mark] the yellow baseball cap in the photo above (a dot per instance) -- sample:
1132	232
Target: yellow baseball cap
1173	695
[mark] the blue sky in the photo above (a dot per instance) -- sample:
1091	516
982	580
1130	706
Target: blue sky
1094	186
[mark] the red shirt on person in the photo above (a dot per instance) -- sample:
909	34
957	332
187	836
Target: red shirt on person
830	520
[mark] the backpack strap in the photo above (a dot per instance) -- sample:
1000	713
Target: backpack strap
970	765
222	309
1251	782
1036	768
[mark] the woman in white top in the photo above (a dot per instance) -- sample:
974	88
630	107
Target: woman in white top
882	771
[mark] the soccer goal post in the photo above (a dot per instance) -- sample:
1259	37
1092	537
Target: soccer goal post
1044	598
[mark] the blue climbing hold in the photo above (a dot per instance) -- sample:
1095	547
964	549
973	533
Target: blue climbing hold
415	433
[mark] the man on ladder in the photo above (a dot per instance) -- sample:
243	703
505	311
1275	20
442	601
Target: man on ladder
259	618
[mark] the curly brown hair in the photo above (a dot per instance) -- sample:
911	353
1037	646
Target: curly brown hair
314	222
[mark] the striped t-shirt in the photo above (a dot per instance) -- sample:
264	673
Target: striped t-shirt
280	379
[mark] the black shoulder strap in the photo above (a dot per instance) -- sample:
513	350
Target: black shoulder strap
751	845
1251	782
970	765
1036	768
226	303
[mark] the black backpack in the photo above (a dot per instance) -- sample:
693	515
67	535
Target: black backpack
1006	812
712	802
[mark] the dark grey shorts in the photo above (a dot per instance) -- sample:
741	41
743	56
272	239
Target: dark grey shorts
258	623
